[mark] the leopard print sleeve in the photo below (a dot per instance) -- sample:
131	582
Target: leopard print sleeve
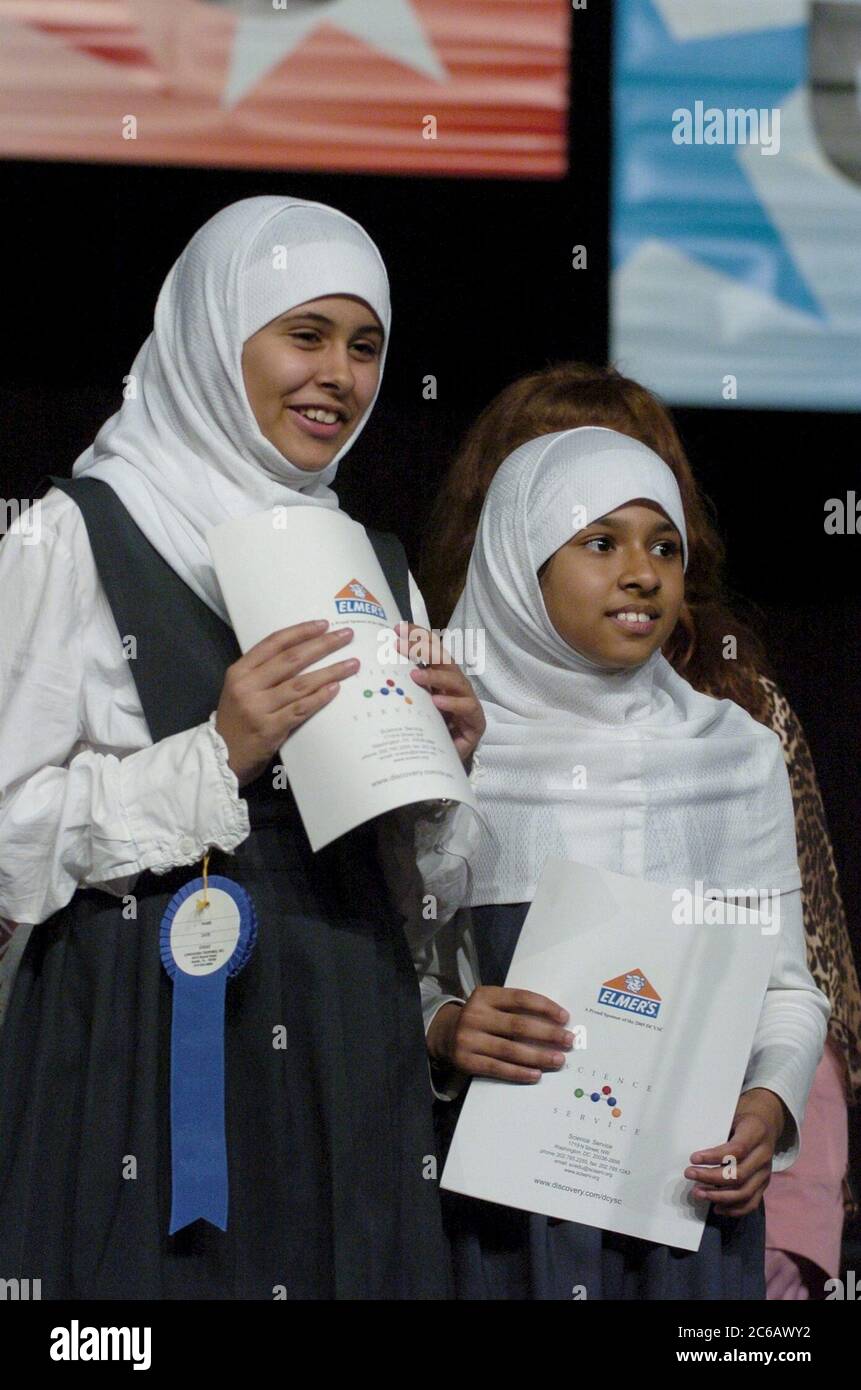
829	949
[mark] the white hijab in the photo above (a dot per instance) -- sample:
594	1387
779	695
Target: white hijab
185	451
630	770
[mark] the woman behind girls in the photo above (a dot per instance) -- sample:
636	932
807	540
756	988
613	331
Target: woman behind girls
122	765
576	579
804	1205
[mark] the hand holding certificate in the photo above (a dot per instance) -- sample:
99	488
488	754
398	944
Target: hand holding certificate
663	1017
381	742
271	690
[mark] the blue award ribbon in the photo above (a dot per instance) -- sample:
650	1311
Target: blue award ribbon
197	1125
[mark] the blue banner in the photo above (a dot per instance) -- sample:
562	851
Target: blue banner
737	201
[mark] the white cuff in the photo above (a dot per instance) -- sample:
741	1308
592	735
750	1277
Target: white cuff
181	798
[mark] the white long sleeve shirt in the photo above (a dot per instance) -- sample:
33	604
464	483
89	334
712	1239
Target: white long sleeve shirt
86	798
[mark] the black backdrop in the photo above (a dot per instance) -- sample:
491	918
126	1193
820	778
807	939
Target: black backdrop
483	290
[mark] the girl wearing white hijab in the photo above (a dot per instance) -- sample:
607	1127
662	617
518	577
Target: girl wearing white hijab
576	578
129	721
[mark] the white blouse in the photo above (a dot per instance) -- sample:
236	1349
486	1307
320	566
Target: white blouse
87	799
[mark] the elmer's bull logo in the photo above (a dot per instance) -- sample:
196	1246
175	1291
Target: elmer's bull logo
631	992
355	598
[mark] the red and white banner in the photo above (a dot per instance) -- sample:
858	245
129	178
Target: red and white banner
379	86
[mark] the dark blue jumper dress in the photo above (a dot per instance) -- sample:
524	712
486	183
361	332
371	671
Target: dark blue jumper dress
328	1138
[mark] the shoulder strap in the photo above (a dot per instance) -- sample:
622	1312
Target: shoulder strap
181	648
393	562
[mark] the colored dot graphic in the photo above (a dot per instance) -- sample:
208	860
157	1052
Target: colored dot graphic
604	1094
390	689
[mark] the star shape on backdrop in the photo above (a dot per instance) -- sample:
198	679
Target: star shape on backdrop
266	35
760	69
263	36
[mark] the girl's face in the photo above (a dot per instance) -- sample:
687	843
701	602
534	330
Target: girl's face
310	375
629	562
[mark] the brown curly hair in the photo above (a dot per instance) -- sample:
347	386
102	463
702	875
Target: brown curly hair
563	396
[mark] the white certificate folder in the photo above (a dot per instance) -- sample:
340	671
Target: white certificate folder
664	1011
381	743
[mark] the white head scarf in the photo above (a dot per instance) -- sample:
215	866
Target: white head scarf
185	451
630	770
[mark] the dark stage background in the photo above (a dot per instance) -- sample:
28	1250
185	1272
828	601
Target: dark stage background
483	290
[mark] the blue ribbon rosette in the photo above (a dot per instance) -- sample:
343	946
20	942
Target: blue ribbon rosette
207	934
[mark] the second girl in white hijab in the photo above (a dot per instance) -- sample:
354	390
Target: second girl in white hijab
575	581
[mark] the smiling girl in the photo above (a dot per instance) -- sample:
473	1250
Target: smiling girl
804	1204
130	722
577	577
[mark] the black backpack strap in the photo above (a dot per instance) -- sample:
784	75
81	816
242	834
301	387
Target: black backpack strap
393	562
182	648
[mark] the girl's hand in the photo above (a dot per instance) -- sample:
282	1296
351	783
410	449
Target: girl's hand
510	1034
447	685
265	697
757	1125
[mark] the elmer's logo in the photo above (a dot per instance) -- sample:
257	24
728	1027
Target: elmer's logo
631	992
355	598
